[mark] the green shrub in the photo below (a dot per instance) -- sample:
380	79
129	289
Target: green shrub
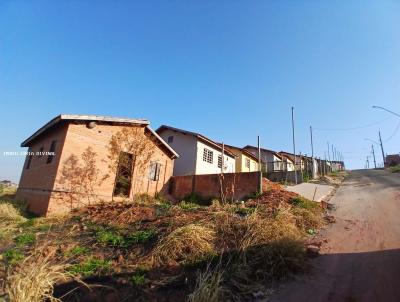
90	267
13	256
395	169
25	239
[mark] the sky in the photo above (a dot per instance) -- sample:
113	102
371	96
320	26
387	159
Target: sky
230	70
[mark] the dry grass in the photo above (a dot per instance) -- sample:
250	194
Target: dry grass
308	219
10	217
189	243
241	233
34	278
209	286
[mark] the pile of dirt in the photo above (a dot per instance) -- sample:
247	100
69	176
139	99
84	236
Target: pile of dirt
119	213
273	196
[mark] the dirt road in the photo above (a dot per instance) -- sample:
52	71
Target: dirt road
361	260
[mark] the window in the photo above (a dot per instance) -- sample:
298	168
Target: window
123	178
247	163
219	161
170	139
28	163
51	150
40	152
154	171
208	156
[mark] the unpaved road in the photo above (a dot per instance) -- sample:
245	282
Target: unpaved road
361	260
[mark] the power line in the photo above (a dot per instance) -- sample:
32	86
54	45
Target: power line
354	128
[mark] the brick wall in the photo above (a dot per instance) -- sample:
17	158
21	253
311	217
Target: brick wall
42	188
208	185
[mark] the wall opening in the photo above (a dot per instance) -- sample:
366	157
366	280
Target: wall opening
123	178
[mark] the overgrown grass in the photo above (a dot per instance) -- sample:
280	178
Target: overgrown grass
11	216
209	287
33	279
90	267
304	203
395	169
185	244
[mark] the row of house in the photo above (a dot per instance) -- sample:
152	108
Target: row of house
69	160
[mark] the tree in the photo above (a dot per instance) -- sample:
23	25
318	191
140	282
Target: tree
80	178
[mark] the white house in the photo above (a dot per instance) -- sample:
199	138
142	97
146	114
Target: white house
271	160
197	153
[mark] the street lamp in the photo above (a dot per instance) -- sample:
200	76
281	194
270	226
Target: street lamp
379	107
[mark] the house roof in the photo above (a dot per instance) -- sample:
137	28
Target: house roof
246	152
263	149
198	136
95	118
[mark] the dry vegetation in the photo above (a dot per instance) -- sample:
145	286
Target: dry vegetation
152	250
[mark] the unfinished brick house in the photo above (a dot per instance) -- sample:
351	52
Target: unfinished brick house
90	160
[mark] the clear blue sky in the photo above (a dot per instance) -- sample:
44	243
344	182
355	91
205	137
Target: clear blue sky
228	69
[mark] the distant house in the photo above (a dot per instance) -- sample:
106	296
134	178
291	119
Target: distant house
68	146
392	160
6	183
245	160
300	160
197	153
287	162
271	160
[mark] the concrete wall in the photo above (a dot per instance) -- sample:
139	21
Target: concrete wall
203	167
186	146
76	140
208	186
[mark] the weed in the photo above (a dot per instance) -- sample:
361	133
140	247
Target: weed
13	256
188	206
11	216
307	219
76	251
304	203
25	239
110	237
193	198
90	267
141	236
139	277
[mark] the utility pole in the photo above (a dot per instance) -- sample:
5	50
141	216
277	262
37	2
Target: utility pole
222	159
294	148
259	165
383	153
312	144
329	158
367	162
373	154
333	158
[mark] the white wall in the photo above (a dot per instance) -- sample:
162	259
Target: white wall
203	167
186	147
